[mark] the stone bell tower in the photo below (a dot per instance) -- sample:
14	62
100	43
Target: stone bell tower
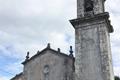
93	59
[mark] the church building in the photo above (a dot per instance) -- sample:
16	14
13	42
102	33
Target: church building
48	64
92	61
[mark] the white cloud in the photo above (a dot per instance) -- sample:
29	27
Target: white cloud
113	8
117	71
14	68
28	25
4	78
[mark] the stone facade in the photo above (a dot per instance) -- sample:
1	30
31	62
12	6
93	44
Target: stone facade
48	65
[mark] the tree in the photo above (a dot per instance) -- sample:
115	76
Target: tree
117	78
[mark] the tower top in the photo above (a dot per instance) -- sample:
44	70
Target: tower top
87	8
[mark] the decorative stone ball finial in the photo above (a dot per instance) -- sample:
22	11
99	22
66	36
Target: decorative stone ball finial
38	52
27	57
48	46
59	50
71	52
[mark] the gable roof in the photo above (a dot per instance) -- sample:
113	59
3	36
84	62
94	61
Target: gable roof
42	52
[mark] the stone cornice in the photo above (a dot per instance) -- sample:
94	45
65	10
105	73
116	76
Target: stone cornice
99	17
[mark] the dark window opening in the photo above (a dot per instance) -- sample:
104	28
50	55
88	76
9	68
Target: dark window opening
88	5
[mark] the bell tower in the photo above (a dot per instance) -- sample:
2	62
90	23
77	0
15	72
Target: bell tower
89	7
93	60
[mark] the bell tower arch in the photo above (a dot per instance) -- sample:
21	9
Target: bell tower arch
89	7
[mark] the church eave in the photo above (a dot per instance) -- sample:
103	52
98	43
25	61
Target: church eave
18	75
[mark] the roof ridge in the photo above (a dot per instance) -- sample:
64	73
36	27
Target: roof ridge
47	48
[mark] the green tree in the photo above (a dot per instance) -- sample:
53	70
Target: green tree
117	78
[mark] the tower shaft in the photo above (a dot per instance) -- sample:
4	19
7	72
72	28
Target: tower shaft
93	60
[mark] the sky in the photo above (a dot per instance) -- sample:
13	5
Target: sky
28	25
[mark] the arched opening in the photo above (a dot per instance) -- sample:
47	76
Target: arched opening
88	5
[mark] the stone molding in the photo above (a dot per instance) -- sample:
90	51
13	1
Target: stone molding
96	19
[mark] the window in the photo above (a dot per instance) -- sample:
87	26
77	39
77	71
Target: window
46	72
88	5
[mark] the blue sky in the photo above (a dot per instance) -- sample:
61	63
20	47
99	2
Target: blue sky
28	25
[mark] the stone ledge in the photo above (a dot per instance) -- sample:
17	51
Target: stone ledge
102	16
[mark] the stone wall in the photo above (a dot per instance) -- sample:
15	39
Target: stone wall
58	67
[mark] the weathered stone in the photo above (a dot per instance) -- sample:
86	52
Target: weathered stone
93	59
98	7
59	66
